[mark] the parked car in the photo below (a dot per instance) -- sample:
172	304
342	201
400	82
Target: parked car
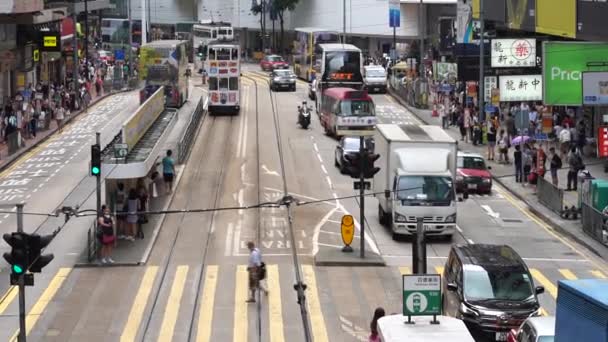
272	62
534	329
349	146
282	79
472	173
490	288
106	56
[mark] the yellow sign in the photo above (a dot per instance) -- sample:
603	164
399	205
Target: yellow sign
348	229
50	41
556	17
36	55
136	126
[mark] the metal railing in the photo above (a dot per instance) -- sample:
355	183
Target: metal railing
184	145
550	196
594	222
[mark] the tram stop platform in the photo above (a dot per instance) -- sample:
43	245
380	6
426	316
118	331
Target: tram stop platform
131	158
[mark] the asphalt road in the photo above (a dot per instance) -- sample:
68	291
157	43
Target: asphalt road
194	286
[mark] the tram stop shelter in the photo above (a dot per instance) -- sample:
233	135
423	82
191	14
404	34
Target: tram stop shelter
132	158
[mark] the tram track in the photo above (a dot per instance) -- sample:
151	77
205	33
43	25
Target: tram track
217	133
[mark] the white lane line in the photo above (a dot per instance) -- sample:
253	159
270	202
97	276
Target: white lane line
334	195
237	237
314	145
490	212
228	248
329	182
459	229
323	168
245	132
470	241
320	159
328	245
335	233
317	230
334	221
6	216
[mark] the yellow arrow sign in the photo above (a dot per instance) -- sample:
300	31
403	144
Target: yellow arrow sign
348	229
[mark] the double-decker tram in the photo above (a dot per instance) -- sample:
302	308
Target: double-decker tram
205	32
223	66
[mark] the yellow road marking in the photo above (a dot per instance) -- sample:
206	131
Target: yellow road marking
545	226
275	317
240	307
319	331
44	300
130	330
206	307
172	308
405	270
439	270
8	298
543	312
549	286
567	274
597	274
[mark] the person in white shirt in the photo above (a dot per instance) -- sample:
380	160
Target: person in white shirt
564	141
255	269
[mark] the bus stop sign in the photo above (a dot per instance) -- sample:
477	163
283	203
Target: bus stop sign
421	294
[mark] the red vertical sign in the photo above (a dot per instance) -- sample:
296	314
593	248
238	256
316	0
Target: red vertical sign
602	141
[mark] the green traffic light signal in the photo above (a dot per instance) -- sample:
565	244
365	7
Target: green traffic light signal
95	170
17	269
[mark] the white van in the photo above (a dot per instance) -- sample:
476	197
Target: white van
394	328
374	77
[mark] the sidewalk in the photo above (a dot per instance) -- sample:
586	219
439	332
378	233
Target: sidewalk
504	175
7	159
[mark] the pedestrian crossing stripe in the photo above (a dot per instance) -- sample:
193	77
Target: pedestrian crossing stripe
142	298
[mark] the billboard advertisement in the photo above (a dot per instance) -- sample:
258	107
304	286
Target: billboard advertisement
521	88
556	17
563	67
137	125
595	88
513	53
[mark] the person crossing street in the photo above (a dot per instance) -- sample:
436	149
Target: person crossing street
256	269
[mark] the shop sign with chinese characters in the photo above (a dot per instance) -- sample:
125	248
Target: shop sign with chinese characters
513	53
521	88
489	83
602	142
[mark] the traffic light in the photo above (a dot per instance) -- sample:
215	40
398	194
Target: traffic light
368	170
368	165
37	244
95	160
18	258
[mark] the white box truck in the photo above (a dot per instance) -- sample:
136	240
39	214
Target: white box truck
418	167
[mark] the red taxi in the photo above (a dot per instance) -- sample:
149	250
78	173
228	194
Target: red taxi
472	174
272	62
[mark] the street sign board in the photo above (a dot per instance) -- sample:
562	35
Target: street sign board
366	185
421	294
347	228
595	88
521	88
563	66
513	53
121	150
119	55
394	13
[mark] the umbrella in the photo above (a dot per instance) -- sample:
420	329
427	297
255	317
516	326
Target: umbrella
521	139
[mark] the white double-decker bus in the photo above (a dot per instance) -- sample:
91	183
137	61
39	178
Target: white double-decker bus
223	66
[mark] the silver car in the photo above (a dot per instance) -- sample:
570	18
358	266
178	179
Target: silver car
282	79
534	329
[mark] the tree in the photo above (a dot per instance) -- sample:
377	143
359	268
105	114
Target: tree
280	7
258	8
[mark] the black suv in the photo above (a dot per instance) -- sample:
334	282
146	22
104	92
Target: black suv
490	288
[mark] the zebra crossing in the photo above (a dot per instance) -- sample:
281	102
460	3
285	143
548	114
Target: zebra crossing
221	299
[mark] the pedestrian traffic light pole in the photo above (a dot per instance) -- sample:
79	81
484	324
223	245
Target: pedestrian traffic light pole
21	336
98	177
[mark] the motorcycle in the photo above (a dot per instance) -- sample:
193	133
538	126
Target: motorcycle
304	115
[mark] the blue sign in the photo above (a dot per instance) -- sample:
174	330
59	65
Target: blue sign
394	13
119	55
541	136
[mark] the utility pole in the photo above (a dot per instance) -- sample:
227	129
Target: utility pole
21	336
362	162
344	22
86	36
144	23
130	38
75	67
263	19
481	89
422	34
